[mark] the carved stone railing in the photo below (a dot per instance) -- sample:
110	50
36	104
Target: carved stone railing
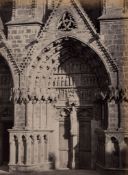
112	149
29	150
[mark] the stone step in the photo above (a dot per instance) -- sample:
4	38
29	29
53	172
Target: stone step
56	172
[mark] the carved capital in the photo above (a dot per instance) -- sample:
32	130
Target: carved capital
23	96
113	94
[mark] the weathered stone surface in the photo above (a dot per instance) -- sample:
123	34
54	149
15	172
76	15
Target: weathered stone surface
62	68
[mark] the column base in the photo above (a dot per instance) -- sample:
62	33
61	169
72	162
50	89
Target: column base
31	168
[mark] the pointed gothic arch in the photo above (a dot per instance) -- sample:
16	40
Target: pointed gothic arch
68	66
47	59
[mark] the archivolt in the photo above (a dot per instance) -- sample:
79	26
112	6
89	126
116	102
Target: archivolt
51	56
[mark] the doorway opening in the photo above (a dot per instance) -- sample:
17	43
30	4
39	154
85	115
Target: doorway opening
80	75
77	73
6	111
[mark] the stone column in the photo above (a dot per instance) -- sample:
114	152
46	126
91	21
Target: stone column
15	121
74	143
57	144
28	151
45	148
33	114
19	150
12	160
113	117
36	116
42	150
29	115
46	115
35	150
39	149
41	115
123	113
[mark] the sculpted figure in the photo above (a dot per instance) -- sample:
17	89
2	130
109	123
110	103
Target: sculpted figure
11	94
111	93
24	95
117	94
123	95
17	95
74	122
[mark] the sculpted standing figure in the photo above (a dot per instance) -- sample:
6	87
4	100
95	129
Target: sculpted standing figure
74	134
73	120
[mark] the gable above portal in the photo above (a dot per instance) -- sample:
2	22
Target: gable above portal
81	28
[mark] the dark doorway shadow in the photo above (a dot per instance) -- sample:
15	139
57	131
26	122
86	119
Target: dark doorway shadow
6	113
80	74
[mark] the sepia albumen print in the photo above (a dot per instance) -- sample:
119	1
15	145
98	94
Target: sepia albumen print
64	87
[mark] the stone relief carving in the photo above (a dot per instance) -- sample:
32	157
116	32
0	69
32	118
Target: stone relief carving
25	96
74	121
118	95
67	22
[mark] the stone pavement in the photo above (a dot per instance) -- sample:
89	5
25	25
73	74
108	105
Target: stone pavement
4	171
56	172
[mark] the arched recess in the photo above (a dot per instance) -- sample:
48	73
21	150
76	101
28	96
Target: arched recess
6	109
45	62
68	68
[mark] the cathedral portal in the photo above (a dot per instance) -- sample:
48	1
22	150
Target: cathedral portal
67	107
64	107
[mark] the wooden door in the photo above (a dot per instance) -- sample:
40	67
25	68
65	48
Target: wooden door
85	145
64	139
85	141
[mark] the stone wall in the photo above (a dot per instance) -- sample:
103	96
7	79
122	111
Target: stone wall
114	27
32	110
93	8
20	37
116	40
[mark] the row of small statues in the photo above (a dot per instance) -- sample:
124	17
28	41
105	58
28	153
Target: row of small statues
25	96
113	94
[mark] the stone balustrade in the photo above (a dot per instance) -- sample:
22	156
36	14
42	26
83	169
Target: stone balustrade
29	149
112	149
